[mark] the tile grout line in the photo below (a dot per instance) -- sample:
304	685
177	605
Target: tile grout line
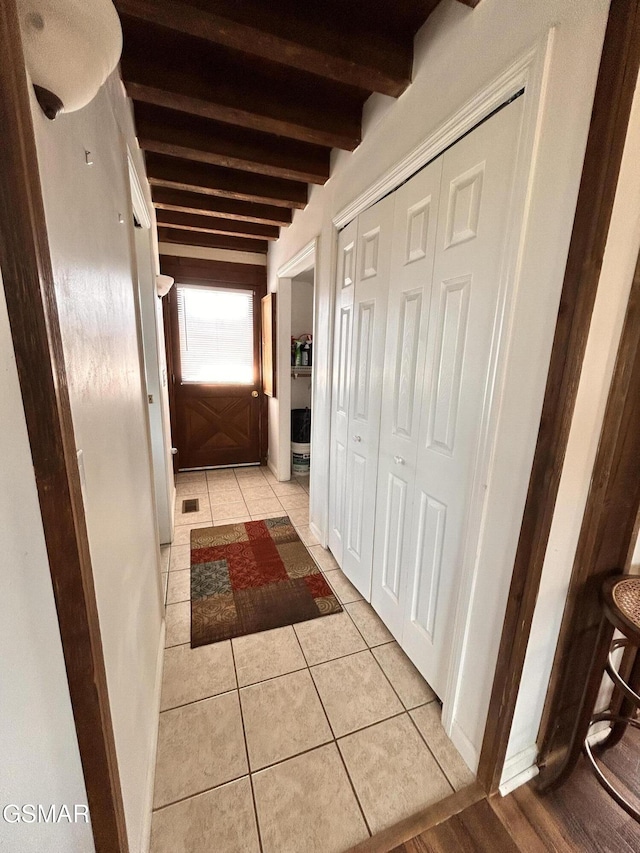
335	740
198	793
283	675
400	699
246	750
202	699
353	788
407	710
426	743
319	663
250	772
346	770
289	672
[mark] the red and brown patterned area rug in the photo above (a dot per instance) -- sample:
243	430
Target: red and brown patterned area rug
252	577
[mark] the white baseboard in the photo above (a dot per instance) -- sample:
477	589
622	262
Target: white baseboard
145	835
600	732
522	767
272	468
519	769
464	746
317	533
521	779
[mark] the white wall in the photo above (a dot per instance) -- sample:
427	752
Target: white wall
619	263
93	267
39	757
457	53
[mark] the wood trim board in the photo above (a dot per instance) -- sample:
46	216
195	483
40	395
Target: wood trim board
437	813
606	539
269	344
27	274
610	116
197	269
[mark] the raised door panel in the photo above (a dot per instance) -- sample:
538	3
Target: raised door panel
451	330
413	252
467	300
431	520
391	536
344	289
373	259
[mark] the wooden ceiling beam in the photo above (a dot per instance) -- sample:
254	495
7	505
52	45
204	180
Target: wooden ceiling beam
211	241
165	198
280	119
229	183
376	65
215	225
170	70
180	135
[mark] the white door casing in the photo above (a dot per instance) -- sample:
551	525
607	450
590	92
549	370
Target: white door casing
411	275
477	185
345	289
373	262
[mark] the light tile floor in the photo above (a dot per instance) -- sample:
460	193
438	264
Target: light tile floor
309	737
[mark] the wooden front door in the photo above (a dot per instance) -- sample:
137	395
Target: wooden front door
218	405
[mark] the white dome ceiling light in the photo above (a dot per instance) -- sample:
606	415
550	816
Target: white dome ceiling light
70	48
164	283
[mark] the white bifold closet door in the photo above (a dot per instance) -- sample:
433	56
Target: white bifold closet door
412	258
340	392
373	261
417	575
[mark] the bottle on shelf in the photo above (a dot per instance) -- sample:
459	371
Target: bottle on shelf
301	350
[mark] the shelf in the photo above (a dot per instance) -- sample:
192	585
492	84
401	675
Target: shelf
300	371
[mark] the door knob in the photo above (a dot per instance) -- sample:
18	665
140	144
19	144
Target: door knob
398	460
357	438
254	393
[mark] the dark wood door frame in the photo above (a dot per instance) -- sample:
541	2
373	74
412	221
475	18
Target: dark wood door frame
25	262
607	133
604	547
210	273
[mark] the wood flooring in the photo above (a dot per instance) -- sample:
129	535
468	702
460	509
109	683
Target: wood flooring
580	816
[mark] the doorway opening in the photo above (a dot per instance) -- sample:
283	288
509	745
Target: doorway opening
302	290
296	376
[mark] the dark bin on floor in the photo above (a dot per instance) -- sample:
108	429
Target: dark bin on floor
301	426
300	441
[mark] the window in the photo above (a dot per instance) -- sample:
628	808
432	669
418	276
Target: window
216	335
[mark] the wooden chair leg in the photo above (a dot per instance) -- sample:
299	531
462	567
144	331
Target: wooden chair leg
627	708
551	778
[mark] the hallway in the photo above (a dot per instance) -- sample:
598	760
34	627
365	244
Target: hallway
309	737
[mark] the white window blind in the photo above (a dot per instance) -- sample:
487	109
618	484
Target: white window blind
216	335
